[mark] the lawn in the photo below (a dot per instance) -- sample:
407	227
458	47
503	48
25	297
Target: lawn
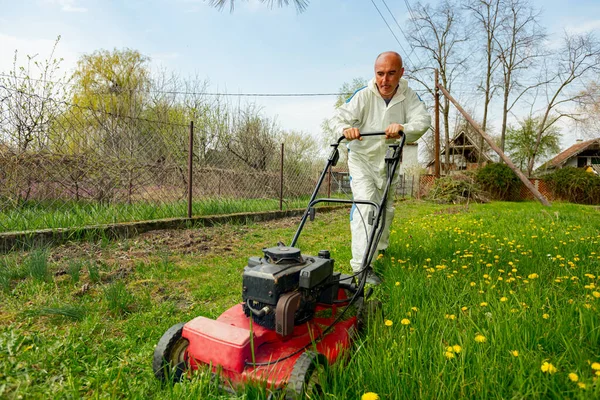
494	300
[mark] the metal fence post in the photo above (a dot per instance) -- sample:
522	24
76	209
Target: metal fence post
281	180
190	165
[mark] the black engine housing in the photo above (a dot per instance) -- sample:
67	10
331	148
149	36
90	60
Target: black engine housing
283	270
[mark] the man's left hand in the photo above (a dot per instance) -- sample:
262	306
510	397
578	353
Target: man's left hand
393	131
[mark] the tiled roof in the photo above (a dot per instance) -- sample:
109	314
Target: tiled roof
568	153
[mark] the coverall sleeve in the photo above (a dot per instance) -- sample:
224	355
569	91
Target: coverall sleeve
417	117
349	114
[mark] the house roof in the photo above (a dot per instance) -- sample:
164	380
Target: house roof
463	143
569	153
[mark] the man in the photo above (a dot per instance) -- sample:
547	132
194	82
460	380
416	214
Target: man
387	105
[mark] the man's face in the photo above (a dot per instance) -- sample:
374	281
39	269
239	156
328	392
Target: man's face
388	71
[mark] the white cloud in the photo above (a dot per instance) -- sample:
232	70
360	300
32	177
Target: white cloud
68	5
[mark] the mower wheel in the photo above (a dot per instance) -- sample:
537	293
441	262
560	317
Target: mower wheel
370	310
169	362
305	381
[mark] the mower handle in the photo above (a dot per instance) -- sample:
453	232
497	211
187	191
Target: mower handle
369	134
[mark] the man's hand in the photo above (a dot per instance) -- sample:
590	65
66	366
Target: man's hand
393	131
352	133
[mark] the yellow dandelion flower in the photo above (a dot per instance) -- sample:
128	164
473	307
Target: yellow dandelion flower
380	256
415	309
545	316
596	366
596	294
449	348
515	353
369	396
503	299
573	377
483	304
480	338
472	284
533	276
457	348
397	283
405	321
547	367
449	355
388	322
464	308
581	385
451	317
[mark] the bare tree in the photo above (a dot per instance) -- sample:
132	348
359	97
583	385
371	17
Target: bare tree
589	110
488	17
518	43
439	34
578	58
32	98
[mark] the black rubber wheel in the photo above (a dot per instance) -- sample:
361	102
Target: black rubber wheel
307	377
169	362
371	310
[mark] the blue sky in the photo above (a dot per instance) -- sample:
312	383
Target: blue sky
252	50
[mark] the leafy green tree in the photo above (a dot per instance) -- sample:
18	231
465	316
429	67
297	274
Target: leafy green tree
521	142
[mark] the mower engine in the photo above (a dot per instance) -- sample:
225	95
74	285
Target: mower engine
282	289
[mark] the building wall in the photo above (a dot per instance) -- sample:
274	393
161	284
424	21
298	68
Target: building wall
410	161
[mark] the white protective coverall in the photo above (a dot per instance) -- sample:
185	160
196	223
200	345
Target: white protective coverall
367	111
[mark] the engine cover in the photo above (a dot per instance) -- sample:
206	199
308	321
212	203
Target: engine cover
267	283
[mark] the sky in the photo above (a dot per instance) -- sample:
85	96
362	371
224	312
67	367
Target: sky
253	49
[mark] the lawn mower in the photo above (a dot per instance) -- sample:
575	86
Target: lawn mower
297	315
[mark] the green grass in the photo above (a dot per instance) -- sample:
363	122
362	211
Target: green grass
520	275
61	214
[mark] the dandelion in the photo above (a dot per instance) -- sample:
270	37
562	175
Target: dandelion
405	321
515	353
464	308
503	299
451	317
596	294
533	276
415	309
369	396
397	283
545	316
581	385
456	348
547	367
388	322
573	377
449	355
480	338
596	366
473	284
483	304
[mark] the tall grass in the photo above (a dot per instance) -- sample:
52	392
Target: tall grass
63	214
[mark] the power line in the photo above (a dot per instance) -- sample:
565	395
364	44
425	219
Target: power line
389	27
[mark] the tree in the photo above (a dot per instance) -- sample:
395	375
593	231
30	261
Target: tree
439	34
487	16
521	142
518	44
109	96
300	4
32	98
578	58
589	109
251	138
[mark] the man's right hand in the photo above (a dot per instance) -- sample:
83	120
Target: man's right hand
352	133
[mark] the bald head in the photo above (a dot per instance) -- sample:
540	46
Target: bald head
392	55
388	71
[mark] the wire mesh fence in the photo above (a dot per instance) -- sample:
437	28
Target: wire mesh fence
62	165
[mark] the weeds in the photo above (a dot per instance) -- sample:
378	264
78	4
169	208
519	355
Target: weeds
93	272
119	299
37	265
74	270
75	313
